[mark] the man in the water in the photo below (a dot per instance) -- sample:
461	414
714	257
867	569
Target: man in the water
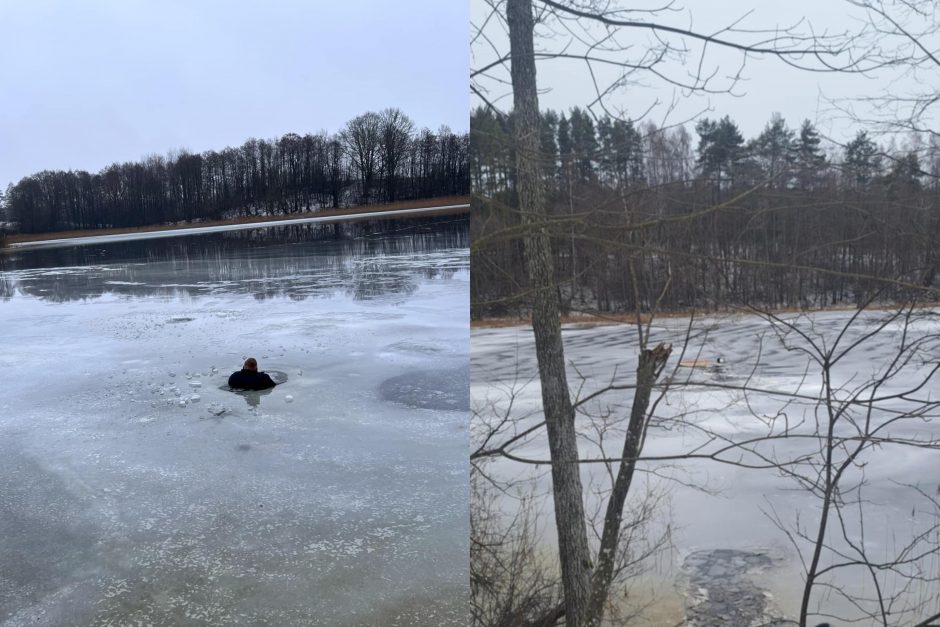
248	378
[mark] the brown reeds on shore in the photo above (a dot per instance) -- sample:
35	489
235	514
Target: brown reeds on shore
408	204
587	320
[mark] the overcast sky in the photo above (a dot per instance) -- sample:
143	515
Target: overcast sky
85	84
767	85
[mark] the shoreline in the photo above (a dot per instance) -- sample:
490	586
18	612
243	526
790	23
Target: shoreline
590	320
12	241
80	238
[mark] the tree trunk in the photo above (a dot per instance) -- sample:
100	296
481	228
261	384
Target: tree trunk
556	402
650	366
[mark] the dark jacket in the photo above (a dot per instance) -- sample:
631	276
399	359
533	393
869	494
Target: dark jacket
250	380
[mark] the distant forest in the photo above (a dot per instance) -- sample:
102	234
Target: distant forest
706	221
376	158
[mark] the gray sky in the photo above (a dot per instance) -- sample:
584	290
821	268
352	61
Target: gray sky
767	84
85	84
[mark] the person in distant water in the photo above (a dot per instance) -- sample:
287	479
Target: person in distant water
248	378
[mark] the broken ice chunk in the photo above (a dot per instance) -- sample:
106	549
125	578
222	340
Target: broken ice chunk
217	409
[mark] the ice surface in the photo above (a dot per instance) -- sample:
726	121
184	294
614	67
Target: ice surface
124	501
432	389
715	508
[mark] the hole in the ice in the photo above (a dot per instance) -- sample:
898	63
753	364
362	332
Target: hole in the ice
178	320
244	448
253	397
278	376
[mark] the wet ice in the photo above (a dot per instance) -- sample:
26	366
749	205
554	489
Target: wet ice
719	510
430	389
129	494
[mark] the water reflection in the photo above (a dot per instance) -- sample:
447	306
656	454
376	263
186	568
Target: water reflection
253	397
385	260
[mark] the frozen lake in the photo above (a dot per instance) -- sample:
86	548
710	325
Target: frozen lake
726	551
135	489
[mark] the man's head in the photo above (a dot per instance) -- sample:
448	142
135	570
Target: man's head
251	364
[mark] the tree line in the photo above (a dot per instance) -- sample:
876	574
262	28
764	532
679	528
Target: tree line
782	219
378	157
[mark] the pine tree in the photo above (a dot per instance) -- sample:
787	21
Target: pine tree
720	150
584	142
809	158
862	163
774	151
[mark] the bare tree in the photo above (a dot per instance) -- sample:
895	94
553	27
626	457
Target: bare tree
907	33
396	130
510	585
363	140
833	432
600	36
585	584
574	552
852	422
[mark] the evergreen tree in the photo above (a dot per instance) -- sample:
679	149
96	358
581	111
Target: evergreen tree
621	157
809	158
584	142
565	151
774	151
720	150
862	163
